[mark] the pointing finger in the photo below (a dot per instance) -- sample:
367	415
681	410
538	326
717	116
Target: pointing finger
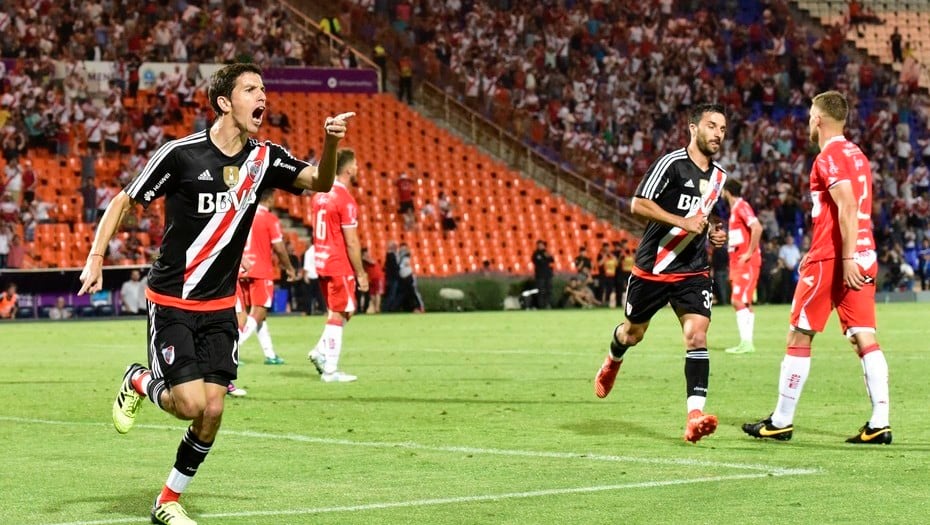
344	116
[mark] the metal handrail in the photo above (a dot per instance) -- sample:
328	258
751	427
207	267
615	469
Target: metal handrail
335	43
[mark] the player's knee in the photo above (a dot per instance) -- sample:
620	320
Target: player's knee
696	339
631	335
213	414
189	407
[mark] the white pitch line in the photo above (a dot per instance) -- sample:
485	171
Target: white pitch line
451	500
767	469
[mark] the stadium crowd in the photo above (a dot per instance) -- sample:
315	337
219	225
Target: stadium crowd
598	85
64	113
594	84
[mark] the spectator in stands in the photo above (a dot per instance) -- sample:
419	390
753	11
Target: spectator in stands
116	250
380	60
17	256
13	141
428	215
103	195
578	295
607	268
375	283
8	299
133	248
279	119
923	268
405	84
583	265
897	52
29	182
405	187
363	298
289	285
60	311
769	273
445	211
13	180
542	273
6	240
132	295
408	293
89	197
40	210
9	210
788	258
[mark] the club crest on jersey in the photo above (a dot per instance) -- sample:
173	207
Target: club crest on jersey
168	353
231	175
702	186
254	168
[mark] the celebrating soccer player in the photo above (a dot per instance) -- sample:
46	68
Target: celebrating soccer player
838	271
744	232
210	181
677	193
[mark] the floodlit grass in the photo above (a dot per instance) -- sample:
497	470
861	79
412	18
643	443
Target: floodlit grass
469	418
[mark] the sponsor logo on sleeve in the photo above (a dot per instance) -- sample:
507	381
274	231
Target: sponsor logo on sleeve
278	162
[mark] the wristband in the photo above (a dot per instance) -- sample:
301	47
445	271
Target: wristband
96	255
849	258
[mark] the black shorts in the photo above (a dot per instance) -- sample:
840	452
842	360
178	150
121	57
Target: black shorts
693	295
405	206
186	345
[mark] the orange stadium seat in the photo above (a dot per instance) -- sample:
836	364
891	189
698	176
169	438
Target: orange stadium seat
499	213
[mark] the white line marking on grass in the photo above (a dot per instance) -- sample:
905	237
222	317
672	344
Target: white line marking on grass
453	500
408	445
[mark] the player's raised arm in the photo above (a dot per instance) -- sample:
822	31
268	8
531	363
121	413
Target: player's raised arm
320	178
92	275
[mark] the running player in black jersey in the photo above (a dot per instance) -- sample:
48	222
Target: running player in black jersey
210	181
676	196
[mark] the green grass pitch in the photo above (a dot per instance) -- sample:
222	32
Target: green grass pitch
472	418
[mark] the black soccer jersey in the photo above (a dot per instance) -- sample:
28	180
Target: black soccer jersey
210	200
678	186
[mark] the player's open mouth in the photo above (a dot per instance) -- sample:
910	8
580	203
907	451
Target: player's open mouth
257	114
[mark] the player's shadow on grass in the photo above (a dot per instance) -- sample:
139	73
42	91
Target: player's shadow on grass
615	427
136	503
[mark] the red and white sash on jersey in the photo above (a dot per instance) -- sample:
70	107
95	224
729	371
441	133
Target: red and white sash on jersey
219	231
677	239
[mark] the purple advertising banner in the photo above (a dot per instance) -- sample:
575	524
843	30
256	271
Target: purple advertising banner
304	79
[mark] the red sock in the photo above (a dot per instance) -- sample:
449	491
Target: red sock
137	381
168	495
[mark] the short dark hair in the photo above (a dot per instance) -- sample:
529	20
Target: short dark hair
698	110
834	104
267	193
733	186
344	156
224	80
